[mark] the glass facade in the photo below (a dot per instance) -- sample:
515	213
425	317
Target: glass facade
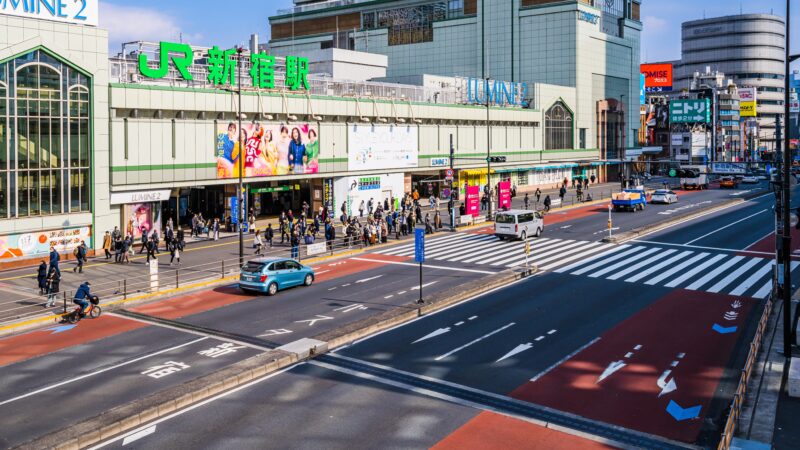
558	133
412	24
45	129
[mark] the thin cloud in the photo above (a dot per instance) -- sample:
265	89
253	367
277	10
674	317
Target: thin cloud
130	23
654	24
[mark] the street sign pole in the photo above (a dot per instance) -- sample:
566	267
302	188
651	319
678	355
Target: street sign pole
419	255
449	182
609	221
527	253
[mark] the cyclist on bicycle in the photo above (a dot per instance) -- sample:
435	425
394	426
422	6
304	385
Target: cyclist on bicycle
82	295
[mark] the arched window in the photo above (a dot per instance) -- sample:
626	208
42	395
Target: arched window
45	162
558	132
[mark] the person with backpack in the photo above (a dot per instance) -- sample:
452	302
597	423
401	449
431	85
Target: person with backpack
80	257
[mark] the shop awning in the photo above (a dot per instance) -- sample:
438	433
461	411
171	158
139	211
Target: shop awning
475	172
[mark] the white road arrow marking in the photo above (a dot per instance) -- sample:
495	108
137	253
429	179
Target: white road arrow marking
311	322
518	349
416	288
368	279
613	367
138	435
666	386
433	334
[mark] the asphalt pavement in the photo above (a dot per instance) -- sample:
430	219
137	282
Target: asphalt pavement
496	344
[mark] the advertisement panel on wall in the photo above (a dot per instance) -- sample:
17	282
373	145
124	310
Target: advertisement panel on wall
690	111
658	77
141	217
270	149
349	192
378	147
24	245
747	102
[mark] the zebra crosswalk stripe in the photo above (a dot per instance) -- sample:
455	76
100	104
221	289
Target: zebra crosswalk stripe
561	257
589	250
714	273
752	279
628	270
491	249
591	259
676	269
642	254
604	261
548	251
406	247
658	266
693	271
441	252
507	249
734	275
430	246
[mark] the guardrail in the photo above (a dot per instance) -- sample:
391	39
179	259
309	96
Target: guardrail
741	389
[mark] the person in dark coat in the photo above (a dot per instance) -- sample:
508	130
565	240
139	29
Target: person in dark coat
54	257
547	203
80	256
41	277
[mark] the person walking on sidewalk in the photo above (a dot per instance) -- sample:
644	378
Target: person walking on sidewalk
361	209
151	252
54	258
144	241
538	195
80	256
269	234
437	221
295	243
41	277
592	178
561	193
526	201
107	242
216	229
257	243
125	249
547	203
180	239
174	253
156	240
52	287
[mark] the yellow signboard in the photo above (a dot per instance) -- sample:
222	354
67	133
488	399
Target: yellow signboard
747	109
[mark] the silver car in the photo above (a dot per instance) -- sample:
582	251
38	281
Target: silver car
664	196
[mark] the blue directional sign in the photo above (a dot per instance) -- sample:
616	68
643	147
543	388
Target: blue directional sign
419	245
723	330
680	413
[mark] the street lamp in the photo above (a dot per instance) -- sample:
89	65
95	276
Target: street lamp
239	193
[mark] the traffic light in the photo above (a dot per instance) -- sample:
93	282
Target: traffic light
496	159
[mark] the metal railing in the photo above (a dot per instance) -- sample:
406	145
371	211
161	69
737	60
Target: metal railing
168	278
741	390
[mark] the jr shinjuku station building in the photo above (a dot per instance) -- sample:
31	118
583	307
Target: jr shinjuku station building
350	100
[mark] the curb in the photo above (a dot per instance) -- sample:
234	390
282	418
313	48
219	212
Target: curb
126	417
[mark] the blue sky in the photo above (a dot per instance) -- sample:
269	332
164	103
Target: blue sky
206	22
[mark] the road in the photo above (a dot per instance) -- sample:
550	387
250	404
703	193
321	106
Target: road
514	349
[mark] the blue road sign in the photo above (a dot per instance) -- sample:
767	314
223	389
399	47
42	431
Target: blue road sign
419	245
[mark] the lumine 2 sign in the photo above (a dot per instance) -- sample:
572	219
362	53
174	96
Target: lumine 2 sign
221	66
83	12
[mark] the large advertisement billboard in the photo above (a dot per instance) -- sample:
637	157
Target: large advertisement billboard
378	147
32	244
657	77
690	111
747	102
350	192
269	149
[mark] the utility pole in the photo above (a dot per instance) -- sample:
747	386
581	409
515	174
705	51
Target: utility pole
622	152
451	203
239	193
785	285
488	153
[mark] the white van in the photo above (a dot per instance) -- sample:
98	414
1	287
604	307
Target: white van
518	224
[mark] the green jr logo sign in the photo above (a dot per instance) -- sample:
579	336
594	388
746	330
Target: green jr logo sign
222	66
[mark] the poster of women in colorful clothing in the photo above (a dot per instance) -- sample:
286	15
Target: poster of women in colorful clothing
269	149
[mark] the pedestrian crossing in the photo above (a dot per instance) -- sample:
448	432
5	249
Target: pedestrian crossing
651	265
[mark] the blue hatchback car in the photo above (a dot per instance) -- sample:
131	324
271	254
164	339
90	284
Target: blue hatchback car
269	275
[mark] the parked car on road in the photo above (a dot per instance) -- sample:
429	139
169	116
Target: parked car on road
269	275
664	196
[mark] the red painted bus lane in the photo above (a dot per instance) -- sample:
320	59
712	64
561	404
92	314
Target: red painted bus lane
657	372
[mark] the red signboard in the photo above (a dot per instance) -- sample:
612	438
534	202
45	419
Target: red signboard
473	201
504	194
658	77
